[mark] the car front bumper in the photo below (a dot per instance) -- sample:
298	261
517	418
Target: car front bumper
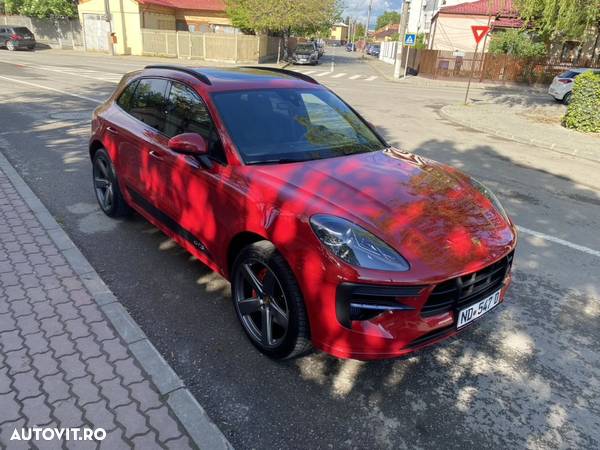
407	317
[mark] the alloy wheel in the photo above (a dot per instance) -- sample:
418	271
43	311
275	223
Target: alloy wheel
261	303
103	184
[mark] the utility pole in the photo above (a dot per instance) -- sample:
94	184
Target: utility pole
401	32
108	18
367	27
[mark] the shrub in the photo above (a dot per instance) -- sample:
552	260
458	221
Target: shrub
516	43
583	113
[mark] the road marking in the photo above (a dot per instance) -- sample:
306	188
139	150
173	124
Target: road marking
308	72
371	78
322	74
559	241
355	77
83	97
339	75
109	77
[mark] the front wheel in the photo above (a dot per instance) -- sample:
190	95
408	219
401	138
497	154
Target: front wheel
268	302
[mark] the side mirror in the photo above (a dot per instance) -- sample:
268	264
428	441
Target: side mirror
191	144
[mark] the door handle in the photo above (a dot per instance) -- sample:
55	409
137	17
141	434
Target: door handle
112	130
155	154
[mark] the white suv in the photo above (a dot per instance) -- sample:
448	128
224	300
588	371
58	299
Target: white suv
562	85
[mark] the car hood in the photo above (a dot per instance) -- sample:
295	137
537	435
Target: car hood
431	213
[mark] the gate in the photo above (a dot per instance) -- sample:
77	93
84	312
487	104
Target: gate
96	31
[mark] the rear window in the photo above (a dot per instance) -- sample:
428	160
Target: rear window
569	74
23	31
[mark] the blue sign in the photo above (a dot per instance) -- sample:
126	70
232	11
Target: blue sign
410	39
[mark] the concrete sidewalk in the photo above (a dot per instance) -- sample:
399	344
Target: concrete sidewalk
535	124
70	355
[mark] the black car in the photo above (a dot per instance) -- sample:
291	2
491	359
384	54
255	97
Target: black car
16	37
350	47
306	53
373	50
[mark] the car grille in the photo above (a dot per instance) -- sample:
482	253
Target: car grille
461	291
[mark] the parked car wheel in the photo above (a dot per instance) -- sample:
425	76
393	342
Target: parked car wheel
106	186
31	47
10	45
268	302
567	98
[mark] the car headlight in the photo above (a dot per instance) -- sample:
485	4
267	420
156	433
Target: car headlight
487	192
355	245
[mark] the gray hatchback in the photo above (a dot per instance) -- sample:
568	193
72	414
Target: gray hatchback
14	37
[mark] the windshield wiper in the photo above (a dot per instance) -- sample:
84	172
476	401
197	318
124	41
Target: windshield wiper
277	161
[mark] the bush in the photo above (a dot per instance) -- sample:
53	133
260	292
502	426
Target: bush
583	113
516	43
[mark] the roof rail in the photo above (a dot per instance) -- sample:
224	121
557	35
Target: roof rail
284	72
200	76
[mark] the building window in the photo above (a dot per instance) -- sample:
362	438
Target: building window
570	52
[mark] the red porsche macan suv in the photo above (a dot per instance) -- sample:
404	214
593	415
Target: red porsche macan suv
328	235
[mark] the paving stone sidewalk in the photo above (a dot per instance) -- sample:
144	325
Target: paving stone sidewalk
70	356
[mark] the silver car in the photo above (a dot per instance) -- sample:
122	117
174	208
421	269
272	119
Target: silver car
562	85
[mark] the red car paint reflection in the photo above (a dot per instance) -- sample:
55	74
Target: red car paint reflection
430	213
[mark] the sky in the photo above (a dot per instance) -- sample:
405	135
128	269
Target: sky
358	9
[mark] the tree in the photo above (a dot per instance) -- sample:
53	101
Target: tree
569	19
41	8
516	43
304	17
387	18
359	33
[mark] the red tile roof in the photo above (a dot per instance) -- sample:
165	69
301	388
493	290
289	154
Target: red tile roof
507	22
387	30
482	8
204	5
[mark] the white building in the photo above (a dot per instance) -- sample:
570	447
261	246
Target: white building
422	11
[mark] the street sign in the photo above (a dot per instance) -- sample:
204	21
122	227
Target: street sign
410	39
479	31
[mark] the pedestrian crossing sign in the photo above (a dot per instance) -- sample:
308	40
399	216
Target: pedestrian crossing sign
410	39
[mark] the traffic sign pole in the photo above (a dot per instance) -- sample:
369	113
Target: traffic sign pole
479	32
472	72
406	62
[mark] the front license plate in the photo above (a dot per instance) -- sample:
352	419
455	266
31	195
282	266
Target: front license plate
468	315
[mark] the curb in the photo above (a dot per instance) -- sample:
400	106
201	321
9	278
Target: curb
200	428
511	137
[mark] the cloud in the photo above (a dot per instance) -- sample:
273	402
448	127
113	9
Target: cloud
358	9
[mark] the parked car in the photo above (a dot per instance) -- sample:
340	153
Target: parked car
350	47
306	53
320	48
16	37
373	50
327	233
562	85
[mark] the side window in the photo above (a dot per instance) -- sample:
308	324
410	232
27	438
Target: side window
124	100
187	113
148	104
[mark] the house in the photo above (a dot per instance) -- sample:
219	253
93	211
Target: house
385	33
339	33
120	22
421	13
451	26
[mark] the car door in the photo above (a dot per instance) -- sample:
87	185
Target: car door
189	192
141	140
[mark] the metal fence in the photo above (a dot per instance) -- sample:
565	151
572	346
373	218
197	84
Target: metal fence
211	46
57	33
490	67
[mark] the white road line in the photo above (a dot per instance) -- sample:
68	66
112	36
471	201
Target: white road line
322	74
355	77
339	75
559	241
371	78
83	97
308	72
109	77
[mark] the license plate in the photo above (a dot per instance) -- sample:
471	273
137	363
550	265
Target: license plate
468	315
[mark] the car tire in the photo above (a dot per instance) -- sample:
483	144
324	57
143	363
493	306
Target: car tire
567	98
10	45
275	305
106	186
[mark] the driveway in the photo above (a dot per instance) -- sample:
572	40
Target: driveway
528	375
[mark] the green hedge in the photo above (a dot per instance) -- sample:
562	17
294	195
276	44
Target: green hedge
583	113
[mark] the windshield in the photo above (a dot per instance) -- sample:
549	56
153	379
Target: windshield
285	125
305	48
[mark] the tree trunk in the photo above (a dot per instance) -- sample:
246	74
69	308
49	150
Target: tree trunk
286	42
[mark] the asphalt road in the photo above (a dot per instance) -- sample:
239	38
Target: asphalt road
528	375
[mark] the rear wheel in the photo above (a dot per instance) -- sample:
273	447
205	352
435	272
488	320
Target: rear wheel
268	302
10	45
567	98
106	186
